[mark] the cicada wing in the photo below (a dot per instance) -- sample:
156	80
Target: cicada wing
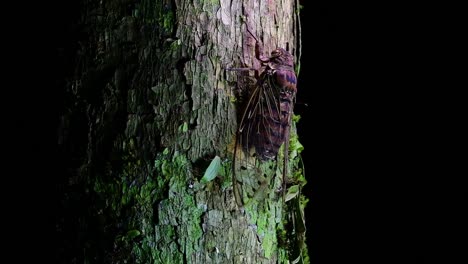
256	139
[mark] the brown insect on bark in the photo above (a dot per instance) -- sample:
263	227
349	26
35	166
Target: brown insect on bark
266	119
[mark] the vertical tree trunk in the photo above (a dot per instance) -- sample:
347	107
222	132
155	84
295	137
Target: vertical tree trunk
148	107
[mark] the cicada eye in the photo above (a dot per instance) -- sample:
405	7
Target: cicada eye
276	53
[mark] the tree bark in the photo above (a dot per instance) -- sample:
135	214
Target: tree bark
148	106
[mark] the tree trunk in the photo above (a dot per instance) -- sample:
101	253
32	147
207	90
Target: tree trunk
148	106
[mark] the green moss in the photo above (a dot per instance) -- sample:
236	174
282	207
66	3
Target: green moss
180	203
266	230
168	20
278	232
283	256
262	214
296	118
171	237
225	174
173	47
183	128
293	233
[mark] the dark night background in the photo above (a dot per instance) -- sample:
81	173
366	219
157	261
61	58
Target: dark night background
377	182
380	177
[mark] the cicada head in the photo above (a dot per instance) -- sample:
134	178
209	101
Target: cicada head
282	57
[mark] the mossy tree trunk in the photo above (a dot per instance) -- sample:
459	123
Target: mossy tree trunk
148	106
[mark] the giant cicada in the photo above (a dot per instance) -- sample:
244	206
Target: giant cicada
265	121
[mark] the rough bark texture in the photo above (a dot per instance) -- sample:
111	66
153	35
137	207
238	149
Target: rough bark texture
148	105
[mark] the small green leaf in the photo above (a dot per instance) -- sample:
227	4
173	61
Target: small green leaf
183	128
166	151
296	118
297	260
295	145
132	234
212	170
293	191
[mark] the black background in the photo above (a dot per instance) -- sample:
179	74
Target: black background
376	161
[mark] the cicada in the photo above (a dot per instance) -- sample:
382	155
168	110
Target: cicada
265	121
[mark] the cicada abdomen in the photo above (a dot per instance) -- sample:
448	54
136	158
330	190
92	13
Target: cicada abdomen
266	119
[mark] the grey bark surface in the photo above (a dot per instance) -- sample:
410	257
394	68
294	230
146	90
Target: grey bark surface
148	106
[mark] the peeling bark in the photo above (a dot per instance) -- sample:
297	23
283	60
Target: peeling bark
149	105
